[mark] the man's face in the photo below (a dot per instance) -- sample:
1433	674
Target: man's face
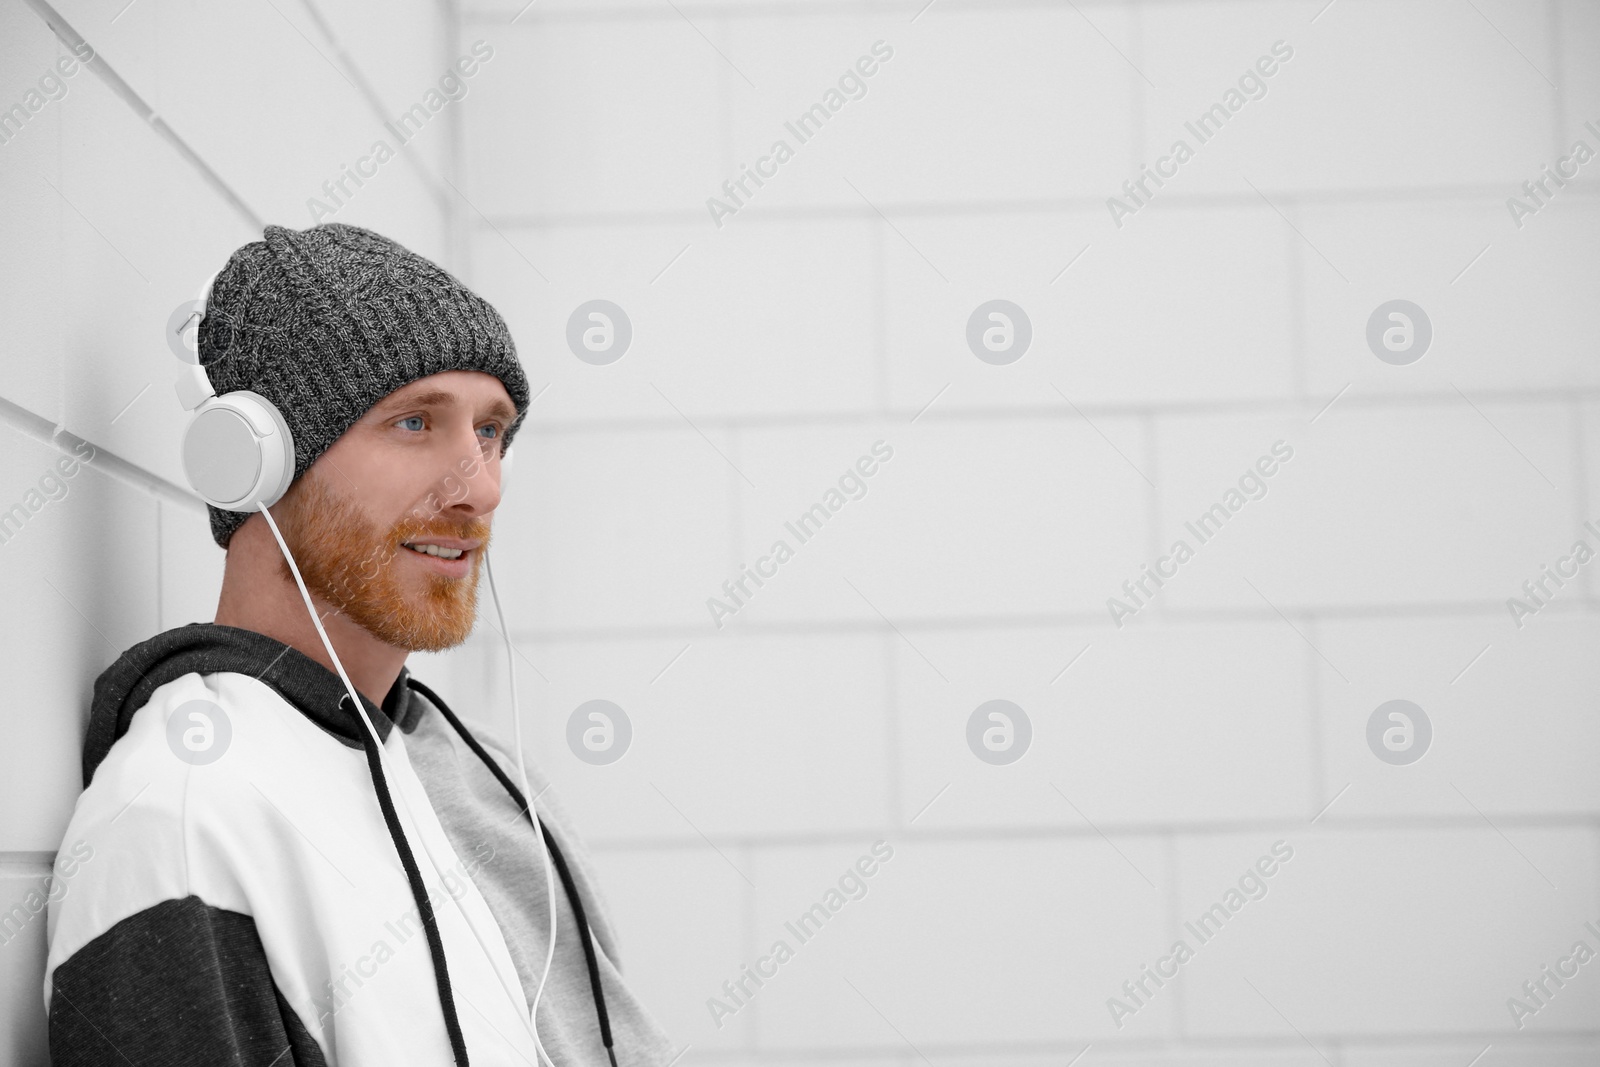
422	467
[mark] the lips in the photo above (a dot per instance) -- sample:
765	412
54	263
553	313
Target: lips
437	551
450	568
444	542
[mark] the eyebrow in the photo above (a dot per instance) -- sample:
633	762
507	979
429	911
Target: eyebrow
436	397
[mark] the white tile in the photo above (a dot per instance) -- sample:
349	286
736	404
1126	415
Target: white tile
1374	96
116	242
191	566
731	736
1108	1054
23	886
961	943
682	931
1380	504
1588	507
1398	932
1525	1047
303	116
1151	725
1577	25
1511	726
30	262
401	63
1507	308
967	518
1181	306
463	676
756	320
538	277
614	529
598	117
1004	104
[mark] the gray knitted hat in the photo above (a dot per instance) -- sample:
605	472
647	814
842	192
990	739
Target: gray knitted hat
325	322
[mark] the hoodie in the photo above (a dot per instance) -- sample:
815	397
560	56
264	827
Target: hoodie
249	884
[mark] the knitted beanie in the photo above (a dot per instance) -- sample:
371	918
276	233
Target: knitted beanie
327	321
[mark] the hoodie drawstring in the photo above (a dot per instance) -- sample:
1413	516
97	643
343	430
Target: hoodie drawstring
556	858
458	1044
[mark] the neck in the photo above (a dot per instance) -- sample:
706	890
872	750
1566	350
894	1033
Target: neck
259	593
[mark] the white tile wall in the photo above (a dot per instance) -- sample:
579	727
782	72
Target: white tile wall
81	582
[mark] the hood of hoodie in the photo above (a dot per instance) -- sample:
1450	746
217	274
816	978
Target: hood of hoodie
206	647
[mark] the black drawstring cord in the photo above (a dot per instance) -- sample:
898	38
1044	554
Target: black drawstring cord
556	859
458	1044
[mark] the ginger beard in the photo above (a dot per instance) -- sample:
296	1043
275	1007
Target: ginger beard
360	569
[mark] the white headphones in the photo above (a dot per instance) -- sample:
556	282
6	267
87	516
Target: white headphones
238	453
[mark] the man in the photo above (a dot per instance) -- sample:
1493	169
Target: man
255	881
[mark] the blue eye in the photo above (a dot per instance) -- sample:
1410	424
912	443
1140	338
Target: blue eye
496	430
411	418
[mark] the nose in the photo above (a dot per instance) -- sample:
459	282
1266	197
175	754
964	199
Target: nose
472	487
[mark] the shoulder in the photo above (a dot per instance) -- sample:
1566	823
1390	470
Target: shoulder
198	751
207	782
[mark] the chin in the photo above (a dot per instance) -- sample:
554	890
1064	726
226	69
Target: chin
440	616
435	638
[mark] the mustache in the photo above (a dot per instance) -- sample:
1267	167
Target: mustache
410	529
472	532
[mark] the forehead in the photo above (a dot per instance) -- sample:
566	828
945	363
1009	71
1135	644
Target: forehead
482	392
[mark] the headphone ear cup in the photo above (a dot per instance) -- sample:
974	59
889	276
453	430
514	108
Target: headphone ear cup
238	452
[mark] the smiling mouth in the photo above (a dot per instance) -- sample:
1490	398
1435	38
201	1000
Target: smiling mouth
436	551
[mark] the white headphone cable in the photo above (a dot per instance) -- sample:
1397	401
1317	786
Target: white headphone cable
527	794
